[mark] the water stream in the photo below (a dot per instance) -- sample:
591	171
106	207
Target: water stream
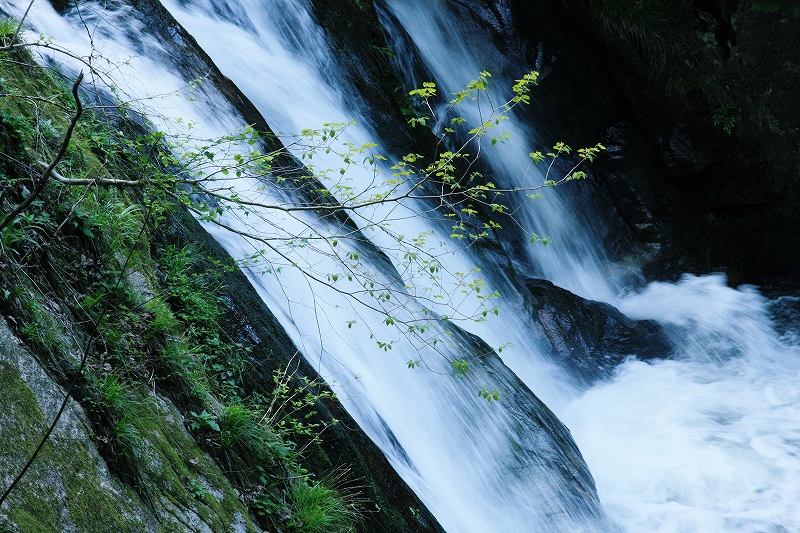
706	441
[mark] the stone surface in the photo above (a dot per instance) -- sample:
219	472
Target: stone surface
591	338
704	159
69	488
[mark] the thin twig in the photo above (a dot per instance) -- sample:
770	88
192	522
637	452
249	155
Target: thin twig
19	26
59	156
35	98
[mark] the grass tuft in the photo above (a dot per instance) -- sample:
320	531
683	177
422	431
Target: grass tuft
244	442
658	29
322	507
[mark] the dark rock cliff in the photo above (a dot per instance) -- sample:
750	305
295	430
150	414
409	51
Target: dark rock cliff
708	136
697	104
391	505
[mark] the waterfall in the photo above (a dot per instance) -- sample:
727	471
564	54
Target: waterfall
705	441
453	55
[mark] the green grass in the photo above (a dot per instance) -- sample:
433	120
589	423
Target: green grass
658	29
244	443
320	508
118	403
117	397
164	336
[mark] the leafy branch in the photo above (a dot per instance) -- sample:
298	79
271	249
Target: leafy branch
318	220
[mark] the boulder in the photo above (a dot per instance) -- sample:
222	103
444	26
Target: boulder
591	338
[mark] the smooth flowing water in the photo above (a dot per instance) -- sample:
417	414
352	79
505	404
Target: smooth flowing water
706	441
455	54
477	466
460	455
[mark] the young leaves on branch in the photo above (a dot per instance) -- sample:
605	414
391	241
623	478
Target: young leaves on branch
320	218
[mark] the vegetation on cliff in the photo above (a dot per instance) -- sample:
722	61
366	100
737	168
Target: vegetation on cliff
127	320
129	326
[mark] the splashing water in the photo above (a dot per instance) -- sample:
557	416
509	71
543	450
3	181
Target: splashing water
708	441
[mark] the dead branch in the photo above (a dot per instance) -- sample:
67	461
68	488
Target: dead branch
92	181
40	184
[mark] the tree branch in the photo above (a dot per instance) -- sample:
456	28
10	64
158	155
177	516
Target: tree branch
19	26
92	181
59	156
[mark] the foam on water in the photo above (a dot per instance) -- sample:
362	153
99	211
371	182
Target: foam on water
709	441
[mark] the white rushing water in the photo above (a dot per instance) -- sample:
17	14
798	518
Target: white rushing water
451	446
705	442
471	463
710	441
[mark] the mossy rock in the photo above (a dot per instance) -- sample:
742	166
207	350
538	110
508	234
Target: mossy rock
69	488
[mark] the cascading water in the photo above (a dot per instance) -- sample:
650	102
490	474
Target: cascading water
476	466
576	264
704	442
449	476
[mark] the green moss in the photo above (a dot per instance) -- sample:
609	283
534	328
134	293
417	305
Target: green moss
22	420
92	507
17	401
35	505
37	514
171	462
175	466
790	7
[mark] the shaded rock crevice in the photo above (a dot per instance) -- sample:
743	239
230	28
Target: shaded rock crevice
590	339
702	100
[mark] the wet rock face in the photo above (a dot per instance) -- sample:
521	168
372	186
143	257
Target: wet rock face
249	321
363	58
704	160
591	338
71	488
765	67
784	307
655	213
545	458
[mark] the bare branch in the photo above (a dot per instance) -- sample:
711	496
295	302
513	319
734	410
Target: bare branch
59	156
50	100
21	21
93	181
